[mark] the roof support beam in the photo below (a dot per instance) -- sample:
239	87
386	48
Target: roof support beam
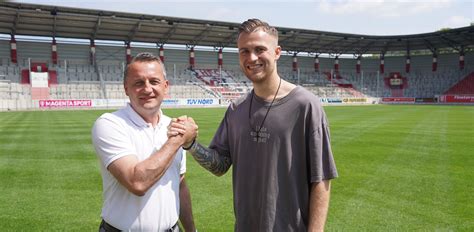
430	46
364	49
469	39
385	47
291	38
349	46
168	35
203	35
231	39
15	23
54	26
96	26
456	46
133	32
329	46
313	42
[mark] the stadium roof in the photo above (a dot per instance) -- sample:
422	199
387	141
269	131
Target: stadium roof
52	21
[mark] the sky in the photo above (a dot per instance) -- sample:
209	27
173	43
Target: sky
365	17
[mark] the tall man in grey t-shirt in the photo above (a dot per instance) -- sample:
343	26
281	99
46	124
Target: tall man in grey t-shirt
277	139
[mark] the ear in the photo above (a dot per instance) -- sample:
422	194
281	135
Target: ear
277	52
167	86
125	88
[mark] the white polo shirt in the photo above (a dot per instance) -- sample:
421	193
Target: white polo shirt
123	133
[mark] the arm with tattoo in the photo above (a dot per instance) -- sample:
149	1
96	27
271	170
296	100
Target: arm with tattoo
209	159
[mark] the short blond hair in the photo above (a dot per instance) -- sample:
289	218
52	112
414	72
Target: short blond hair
252	25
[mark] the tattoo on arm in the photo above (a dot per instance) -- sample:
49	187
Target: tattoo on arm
214	162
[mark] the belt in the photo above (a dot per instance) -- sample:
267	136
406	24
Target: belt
106	227
174	228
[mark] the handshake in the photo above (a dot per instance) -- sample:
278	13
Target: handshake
183	128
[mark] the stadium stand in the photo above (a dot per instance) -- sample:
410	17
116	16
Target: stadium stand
463	87
76	76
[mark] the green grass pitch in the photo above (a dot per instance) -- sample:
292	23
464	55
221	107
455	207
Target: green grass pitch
402	168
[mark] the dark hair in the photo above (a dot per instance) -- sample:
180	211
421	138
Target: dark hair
145	57
252	25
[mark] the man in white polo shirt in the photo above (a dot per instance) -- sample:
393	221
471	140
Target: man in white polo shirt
142	170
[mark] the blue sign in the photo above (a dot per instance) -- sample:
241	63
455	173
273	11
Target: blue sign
200	102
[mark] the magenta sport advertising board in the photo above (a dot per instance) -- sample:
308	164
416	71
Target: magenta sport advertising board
65	103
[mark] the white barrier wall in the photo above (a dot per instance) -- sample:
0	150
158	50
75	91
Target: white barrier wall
23	104
16	104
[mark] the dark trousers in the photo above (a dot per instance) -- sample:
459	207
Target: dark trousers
106	227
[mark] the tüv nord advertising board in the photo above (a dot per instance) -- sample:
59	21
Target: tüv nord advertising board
191	102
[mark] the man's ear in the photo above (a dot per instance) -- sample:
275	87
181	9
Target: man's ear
125	88
167	87
277	52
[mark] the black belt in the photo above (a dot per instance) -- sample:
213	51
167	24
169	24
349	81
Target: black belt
174	228
106	227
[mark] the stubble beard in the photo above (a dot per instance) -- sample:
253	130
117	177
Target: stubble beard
260	77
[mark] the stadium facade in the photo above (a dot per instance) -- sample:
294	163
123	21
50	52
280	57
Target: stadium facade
56	57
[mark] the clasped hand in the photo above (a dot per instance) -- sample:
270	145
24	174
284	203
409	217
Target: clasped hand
184	127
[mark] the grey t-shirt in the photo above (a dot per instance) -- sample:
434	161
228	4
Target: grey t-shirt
272	173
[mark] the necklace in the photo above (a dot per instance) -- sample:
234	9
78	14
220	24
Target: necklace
266	114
